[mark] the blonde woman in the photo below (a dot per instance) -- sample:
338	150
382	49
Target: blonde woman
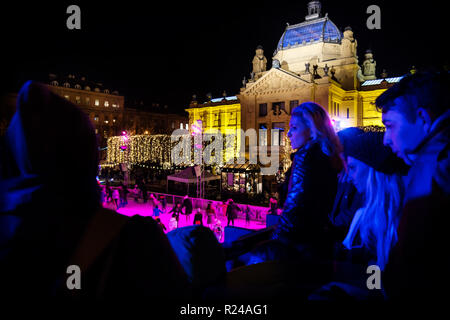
313	180
377	174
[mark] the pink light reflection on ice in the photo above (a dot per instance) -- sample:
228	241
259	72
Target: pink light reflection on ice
146	210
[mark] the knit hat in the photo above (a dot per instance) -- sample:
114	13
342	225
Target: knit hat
346	135
368	147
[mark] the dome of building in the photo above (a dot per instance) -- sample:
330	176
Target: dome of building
308	32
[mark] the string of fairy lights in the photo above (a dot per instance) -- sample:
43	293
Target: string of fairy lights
157	149
140	149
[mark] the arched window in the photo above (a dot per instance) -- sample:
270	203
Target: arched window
55	83
87	88
77	86
106	91
66	85
97	90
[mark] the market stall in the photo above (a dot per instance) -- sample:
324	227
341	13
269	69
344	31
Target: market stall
242	178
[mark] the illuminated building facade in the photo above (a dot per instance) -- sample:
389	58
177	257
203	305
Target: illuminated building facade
105	108
108	113
314	61
221	114
356	108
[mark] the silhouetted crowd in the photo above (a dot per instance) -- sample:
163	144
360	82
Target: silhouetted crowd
364	214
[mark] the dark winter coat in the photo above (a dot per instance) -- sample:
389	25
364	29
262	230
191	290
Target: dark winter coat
311	193
232	211
187	204
419	261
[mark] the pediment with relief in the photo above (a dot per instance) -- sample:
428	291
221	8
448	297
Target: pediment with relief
275	81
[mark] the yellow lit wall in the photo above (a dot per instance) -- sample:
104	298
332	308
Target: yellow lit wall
371	116
225	118
353	108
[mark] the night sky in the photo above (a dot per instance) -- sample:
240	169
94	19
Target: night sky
165	53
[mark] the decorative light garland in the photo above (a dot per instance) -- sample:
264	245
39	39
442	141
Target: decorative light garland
140	149
154	149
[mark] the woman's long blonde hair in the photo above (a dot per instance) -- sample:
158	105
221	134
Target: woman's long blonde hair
316	118
378	220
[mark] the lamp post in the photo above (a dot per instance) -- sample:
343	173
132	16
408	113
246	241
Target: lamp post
124	147
198	147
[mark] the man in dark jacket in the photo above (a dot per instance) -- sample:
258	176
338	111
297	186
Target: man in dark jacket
144	191
187	205
125	193
417	119
232	211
